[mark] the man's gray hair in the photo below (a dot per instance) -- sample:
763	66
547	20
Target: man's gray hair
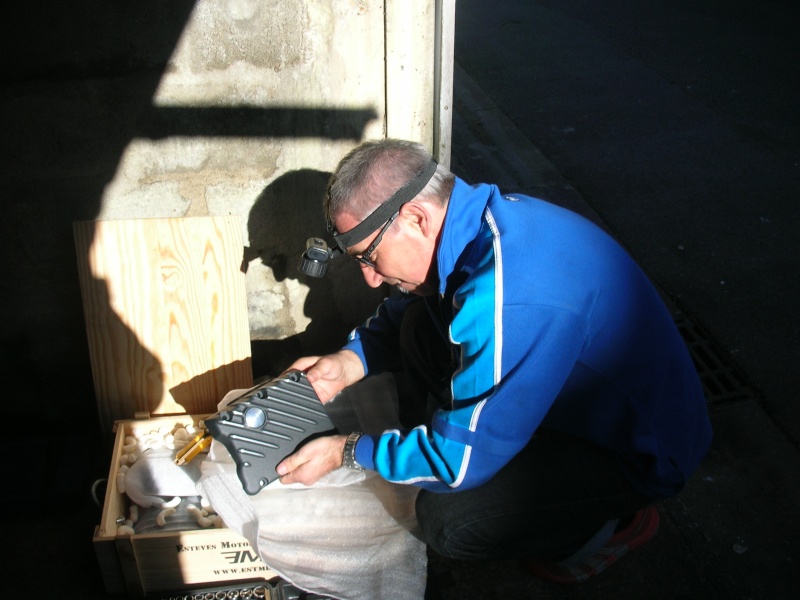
370	173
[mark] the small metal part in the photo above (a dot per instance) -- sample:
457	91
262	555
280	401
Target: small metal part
260	592
200	442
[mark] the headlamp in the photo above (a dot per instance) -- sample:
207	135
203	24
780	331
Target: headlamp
314	261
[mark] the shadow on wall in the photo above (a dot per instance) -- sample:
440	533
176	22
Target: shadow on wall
78	84
77	81
285	215
78	88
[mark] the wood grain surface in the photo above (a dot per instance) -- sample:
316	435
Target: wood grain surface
166	313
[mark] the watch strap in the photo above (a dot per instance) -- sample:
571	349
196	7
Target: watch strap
349	456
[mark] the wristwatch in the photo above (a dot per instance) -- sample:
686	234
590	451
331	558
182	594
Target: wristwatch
349	456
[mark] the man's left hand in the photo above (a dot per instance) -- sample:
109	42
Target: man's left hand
313	460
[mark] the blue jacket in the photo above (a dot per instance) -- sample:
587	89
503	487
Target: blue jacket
554	326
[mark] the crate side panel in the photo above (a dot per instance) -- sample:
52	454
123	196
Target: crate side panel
169	561
166	313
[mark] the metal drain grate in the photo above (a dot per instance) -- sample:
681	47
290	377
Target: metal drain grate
721	380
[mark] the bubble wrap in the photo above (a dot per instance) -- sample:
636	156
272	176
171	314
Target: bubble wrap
352	535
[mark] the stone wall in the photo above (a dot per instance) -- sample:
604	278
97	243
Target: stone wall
170	108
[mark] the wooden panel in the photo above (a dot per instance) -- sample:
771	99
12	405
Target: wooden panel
166	313
173	561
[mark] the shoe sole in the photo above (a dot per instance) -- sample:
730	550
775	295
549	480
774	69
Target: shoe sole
638	533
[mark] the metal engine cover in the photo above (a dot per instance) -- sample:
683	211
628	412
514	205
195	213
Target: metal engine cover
267	424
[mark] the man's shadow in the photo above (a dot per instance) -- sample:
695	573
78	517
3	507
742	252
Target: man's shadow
285	215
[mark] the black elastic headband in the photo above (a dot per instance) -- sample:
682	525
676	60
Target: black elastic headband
384	212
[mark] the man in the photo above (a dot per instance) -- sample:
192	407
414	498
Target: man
567	401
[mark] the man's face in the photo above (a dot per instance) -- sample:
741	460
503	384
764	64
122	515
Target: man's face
402	258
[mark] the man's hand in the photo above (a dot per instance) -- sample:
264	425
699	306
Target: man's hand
330	374
313	460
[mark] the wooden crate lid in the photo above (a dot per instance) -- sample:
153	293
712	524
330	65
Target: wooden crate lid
166	313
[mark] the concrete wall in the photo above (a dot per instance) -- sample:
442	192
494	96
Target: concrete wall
157	108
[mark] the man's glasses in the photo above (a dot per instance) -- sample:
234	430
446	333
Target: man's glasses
363	258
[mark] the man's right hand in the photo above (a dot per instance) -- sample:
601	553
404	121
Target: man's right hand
330	374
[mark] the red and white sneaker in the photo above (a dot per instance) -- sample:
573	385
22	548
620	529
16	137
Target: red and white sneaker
638	532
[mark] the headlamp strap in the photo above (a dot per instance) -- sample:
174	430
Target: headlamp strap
382	214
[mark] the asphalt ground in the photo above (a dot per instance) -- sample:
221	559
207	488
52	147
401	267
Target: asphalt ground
673	125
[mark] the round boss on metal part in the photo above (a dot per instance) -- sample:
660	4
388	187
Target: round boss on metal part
254	417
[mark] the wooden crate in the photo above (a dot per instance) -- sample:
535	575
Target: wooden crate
166	320
166	561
